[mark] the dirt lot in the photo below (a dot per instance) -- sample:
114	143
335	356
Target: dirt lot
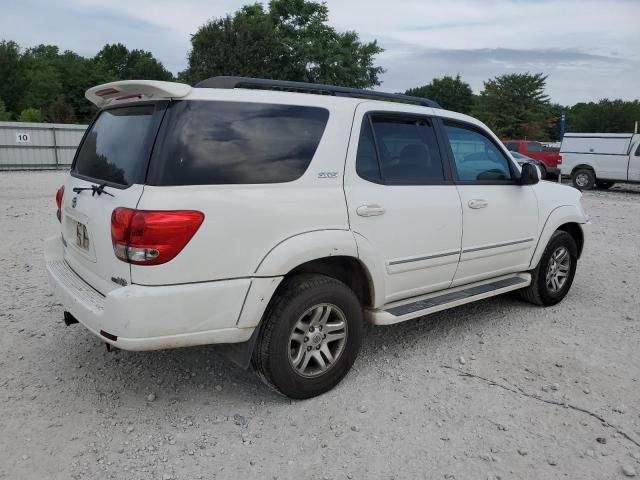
497	389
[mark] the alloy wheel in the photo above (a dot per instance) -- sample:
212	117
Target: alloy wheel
558	269
317	340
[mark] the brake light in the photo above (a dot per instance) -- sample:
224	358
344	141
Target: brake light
559	159
59	195
106	91
144	237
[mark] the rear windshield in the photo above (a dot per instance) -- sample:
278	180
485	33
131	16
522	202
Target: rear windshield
216	142
117	148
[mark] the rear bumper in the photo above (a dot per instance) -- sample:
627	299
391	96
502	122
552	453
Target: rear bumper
139	317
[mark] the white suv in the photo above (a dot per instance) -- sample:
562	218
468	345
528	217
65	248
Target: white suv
274	217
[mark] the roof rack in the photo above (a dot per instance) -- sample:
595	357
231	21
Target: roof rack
313	88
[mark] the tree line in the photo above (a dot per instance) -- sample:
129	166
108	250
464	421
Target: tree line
516	106
287	40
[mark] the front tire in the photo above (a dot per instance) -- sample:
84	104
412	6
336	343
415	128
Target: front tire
552	278
310	336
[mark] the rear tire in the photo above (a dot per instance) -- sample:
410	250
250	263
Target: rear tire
310	336
583	179
602	185
552	278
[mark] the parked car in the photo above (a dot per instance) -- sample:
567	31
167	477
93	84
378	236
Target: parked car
522	159
549	156
274	217
601	159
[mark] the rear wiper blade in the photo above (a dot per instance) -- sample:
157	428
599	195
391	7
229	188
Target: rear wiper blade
99	189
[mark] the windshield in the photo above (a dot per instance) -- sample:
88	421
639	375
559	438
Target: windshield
117	148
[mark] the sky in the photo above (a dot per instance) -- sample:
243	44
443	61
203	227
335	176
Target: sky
589	49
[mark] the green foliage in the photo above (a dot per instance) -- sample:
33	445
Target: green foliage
13	81
123	63
552	131
515	105
54	82
60	111
451	93
290	41
31	114
4	115
605	116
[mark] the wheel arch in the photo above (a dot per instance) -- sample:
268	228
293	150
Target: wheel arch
583	166
326	252
574	229
349	270
567	218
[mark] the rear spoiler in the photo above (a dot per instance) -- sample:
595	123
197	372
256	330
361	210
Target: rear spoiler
101	95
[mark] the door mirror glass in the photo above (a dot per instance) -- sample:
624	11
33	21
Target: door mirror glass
530	174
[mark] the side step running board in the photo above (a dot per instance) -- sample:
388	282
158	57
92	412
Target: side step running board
434	302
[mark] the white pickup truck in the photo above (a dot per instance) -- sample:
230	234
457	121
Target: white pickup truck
600	159
275	217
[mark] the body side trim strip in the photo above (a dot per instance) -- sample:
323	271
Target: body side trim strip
497	245
426	257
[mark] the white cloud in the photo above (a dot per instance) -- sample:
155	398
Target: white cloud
423	38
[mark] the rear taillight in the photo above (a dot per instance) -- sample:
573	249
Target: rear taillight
59	195
145	237
559	159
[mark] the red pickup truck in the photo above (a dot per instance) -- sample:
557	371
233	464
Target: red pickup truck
549	156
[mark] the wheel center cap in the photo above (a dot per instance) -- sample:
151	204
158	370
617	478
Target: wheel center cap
316	339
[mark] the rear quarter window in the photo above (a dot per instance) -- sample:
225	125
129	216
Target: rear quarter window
216	142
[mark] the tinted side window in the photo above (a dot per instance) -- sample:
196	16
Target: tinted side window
407	152
477	158
638	151
367	165
534	147
211	142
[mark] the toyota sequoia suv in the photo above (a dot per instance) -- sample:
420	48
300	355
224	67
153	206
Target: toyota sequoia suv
276	217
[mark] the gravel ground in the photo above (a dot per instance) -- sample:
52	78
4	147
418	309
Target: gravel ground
496	389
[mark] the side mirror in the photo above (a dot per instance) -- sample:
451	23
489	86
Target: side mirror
529	175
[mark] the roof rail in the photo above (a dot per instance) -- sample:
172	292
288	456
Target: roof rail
314	88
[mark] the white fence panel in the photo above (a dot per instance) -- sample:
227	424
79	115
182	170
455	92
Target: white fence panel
29	146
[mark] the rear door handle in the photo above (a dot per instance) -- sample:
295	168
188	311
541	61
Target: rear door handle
370	210
477	203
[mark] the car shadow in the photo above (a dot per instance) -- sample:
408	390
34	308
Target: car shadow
203	375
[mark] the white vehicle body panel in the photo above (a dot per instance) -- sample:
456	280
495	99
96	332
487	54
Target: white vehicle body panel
151	318
612	156
216	290
417	238
98	265
491	244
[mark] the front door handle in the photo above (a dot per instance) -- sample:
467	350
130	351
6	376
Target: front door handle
477	203
370	210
